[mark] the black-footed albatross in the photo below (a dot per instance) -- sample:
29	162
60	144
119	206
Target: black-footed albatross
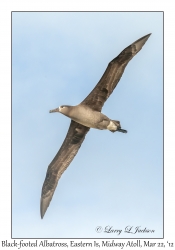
84	116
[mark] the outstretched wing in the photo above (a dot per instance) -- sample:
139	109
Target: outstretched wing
112	75
63	158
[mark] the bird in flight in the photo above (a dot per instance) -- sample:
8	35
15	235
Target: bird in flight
84	116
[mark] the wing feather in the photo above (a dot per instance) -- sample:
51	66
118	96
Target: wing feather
112	75
63	158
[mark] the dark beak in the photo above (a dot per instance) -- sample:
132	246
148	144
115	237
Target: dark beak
54	110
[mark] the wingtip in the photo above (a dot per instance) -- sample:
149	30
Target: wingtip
147	36
144	38
43	208
138	44
42	212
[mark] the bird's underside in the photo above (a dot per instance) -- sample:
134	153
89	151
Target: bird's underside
77	132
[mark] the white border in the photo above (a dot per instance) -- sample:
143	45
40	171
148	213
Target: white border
5	94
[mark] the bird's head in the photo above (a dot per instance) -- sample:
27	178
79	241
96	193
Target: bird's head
64	109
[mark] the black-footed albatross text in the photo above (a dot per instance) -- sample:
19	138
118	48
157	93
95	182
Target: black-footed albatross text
84	116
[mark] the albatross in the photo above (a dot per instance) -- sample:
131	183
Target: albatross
84	116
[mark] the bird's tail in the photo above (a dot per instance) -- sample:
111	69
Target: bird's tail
119	129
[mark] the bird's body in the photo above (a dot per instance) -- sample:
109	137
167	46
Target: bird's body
87	115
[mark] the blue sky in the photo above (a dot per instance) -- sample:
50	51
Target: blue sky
116	179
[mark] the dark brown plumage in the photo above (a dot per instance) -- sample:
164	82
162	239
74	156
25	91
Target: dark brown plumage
77	132
74	138
112	75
